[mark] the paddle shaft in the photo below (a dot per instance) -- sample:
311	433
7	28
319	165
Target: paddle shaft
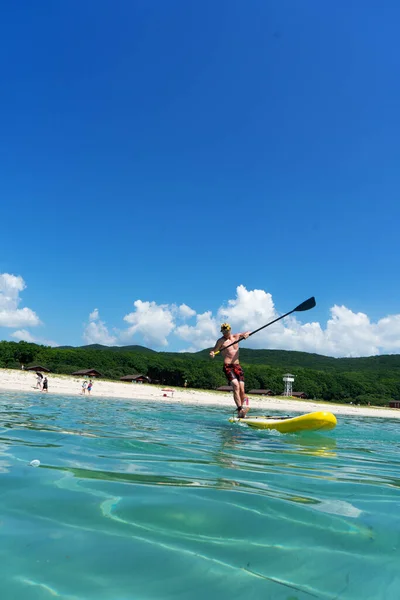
253	332
306	305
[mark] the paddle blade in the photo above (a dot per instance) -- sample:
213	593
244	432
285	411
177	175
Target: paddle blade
306	305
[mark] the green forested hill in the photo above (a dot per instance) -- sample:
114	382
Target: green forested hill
110	348
274	358
289	359
374	379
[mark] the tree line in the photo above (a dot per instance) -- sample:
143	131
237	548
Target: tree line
374	380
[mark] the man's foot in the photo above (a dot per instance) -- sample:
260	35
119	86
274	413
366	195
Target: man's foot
242	412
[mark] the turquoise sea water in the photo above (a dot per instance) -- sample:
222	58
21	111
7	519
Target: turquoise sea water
141	501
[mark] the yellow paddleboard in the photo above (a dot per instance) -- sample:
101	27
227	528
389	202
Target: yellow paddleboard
315	421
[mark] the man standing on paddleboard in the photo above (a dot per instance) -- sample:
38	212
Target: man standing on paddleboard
232	369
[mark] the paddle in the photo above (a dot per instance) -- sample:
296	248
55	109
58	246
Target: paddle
306	305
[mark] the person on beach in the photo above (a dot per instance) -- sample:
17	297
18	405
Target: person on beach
45	385
232	369
84	386
39	378
89	387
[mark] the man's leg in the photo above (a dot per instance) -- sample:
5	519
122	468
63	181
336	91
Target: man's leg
244	401
242	392
238	396
236	392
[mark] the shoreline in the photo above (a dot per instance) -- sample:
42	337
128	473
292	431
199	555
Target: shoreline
25	381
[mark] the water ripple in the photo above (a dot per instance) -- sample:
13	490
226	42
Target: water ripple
172	501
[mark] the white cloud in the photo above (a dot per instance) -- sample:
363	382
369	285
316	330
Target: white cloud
23	334
186	312
388	329
153	322
94	315
96	331
10	314
202	335
249	310
26	336
345	333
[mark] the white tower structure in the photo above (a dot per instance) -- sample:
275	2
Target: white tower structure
288	379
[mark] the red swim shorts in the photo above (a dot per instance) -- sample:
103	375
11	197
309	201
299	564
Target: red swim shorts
233	371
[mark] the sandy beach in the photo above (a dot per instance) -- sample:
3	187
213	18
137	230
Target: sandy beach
25	381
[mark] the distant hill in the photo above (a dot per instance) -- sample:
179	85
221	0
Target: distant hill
291	359
287	359
111	348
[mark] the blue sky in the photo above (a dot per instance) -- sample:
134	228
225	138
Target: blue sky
160	162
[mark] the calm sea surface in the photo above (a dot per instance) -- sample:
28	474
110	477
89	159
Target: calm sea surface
141	501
